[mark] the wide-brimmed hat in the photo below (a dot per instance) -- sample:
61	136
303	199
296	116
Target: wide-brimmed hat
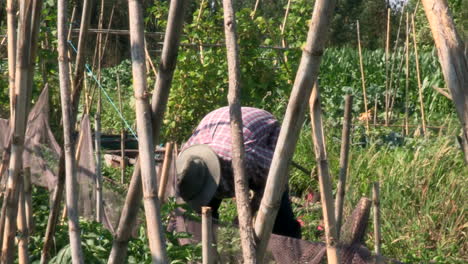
198	175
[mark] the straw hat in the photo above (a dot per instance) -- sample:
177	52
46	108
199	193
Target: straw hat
198	175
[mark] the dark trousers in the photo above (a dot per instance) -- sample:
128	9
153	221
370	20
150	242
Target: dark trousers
285	223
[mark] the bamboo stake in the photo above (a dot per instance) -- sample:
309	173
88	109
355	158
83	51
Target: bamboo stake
77	81
375	109
344	157
145	146
407	74
97	140
387	55
158	107
54	211
282	28
362	76
200	47
165	170
28	199
18	127
377	235
255	9
238	151
421	102
123	164
107	33
318	137
451	51
70	180
208	255
295	115
23	232
70	27
11	24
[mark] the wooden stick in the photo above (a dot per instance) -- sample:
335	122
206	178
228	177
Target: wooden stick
77	81
159	101
344	155
255	9
108	28
145	146
54	211
282	28
453	60
28	199
325	184
23	231
375	109
165	170
97	143
421	102
295	115
238	150
123	164
208	255
377	235
11	24
69	34
364	95
70	172
387	55
18	127
407	75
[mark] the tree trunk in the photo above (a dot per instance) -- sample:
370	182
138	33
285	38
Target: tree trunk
69	150
158	107
295	115
18	127
238	152
145	144
452	58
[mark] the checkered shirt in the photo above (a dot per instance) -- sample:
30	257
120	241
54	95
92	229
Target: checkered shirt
260	130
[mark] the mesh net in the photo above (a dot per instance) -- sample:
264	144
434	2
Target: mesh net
281	249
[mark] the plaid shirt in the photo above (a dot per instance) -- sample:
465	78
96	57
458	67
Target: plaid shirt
260	130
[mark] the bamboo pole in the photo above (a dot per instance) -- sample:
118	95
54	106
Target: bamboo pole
54	211
244	212
376	207
23	232
407	74
159	101
283	27
208	255
295	115
18	127
69	151
453	60
418	74
387	55
123	163
28	199
255	9
145	146
375	109
69	34
364	94
344	157
77	81
97	143
11	24
318	137
165	170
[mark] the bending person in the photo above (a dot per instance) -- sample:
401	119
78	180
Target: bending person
204	171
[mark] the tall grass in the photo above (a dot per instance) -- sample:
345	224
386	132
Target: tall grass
423	191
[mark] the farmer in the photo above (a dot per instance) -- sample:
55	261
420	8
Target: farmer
204	171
